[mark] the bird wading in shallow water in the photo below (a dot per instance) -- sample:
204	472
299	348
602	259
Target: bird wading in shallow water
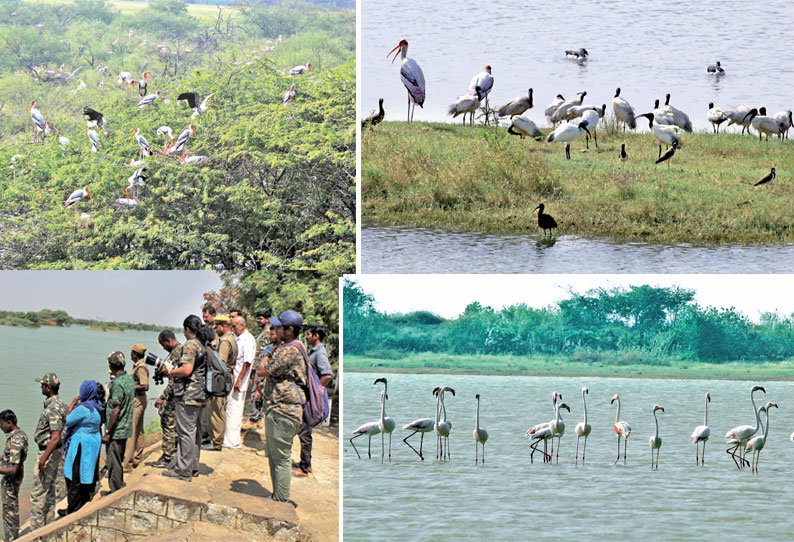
385	424
480	435
545	221
582	429
756	444
739	435
701	434
622	429
655	440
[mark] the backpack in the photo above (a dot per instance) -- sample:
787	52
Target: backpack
316	408
219	381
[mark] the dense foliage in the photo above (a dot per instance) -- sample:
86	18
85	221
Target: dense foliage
49	317
278	191
643	324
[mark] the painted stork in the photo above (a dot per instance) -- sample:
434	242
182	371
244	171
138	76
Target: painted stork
143	84
95	118
300	70
149	99
199	108
76	196
411	76
289	96
40	125
146	150
93	137
136	180
181	141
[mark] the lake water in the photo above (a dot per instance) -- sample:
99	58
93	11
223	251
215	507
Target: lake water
645	47
511	499
74	354
391	249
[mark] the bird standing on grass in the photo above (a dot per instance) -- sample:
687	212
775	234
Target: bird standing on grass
522	126
766	178
565	133
623	111
715	116
545	221
623	156
483	80
516	106
374	119
411	76
667	156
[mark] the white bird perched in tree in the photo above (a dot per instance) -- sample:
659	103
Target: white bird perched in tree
146	150
385	424
784	118
136	180
442	426
666	134
136	163
701	434
484	80
553	106
143	84
412	77
715	116
93	137
147	100
76	196
623	111
289	96
739	435
127	203
480	435
63	140
516	106
126	78
195	159
199	108
300	70
756	444
466	104
40	125
582	429
95	118
655	440
181	141
522	126
563	108
622	429
565	133
167	134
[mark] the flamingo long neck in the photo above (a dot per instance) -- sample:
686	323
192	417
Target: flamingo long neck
557	413
656	420
706	417
757	416
438	406
584	405
617	414
477	417
382	406
766	425
443	408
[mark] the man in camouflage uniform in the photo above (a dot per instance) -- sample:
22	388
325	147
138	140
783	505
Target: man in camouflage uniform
165	403
12	467
262	340
208	315
284	397
133	452
121	398
227	353
49	485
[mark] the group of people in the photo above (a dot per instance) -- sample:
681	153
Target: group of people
270	382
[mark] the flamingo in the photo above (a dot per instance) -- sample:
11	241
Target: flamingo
144	145
371	428
422	426
516	106
483	80
565	133
582	429
411	76
78	195
558	429
756	444
655	441
542	431
623	111
623	429
739	435
385	424
701	433
442	427
480	435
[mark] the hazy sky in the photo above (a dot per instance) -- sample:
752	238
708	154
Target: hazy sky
156	297
448	295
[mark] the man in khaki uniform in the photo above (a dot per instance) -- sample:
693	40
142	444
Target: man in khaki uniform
12	468
49	485
227	353
133	451
208	314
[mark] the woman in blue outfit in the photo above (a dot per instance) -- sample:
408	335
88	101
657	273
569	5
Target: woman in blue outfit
83	425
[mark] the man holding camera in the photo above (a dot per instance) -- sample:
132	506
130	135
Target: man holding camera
49	485
284	399
121	397
227	353
166	404
133	453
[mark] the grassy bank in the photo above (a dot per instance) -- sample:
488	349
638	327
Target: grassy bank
540	366
477	178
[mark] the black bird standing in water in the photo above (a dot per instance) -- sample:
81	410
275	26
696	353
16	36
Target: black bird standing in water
766	178
375	118
546	222
623	155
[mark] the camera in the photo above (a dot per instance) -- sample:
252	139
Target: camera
158	364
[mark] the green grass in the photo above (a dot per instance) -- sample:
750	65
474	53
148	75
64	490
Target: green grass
620	366
479	178
130	7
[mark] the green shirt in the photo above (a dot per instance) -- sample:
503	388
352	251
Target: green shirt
122	394
190	389
53	418
284	388
15	452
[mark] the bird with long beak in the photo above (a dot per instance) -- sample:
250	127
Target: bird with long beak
149	99
567	132
299	70
179	144
146	150
93	137
143	84
289	96
40	125
412	77
76	196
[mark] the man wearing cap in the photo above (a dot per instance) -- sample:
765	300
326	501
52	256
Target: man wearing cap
262	340
119	418
227	353
133	451
166	402
12	468
284	399
49	485
235	403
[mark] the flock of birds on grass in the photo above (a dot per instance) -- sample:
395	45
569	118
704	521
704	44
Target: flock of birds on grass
172	146
741	439
573	118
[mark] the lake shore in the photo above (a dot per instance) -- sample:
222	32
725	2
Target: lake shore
482	179
428	363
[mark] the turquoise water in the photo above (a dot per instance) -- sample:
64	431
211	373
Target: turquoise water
511	499
74	354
